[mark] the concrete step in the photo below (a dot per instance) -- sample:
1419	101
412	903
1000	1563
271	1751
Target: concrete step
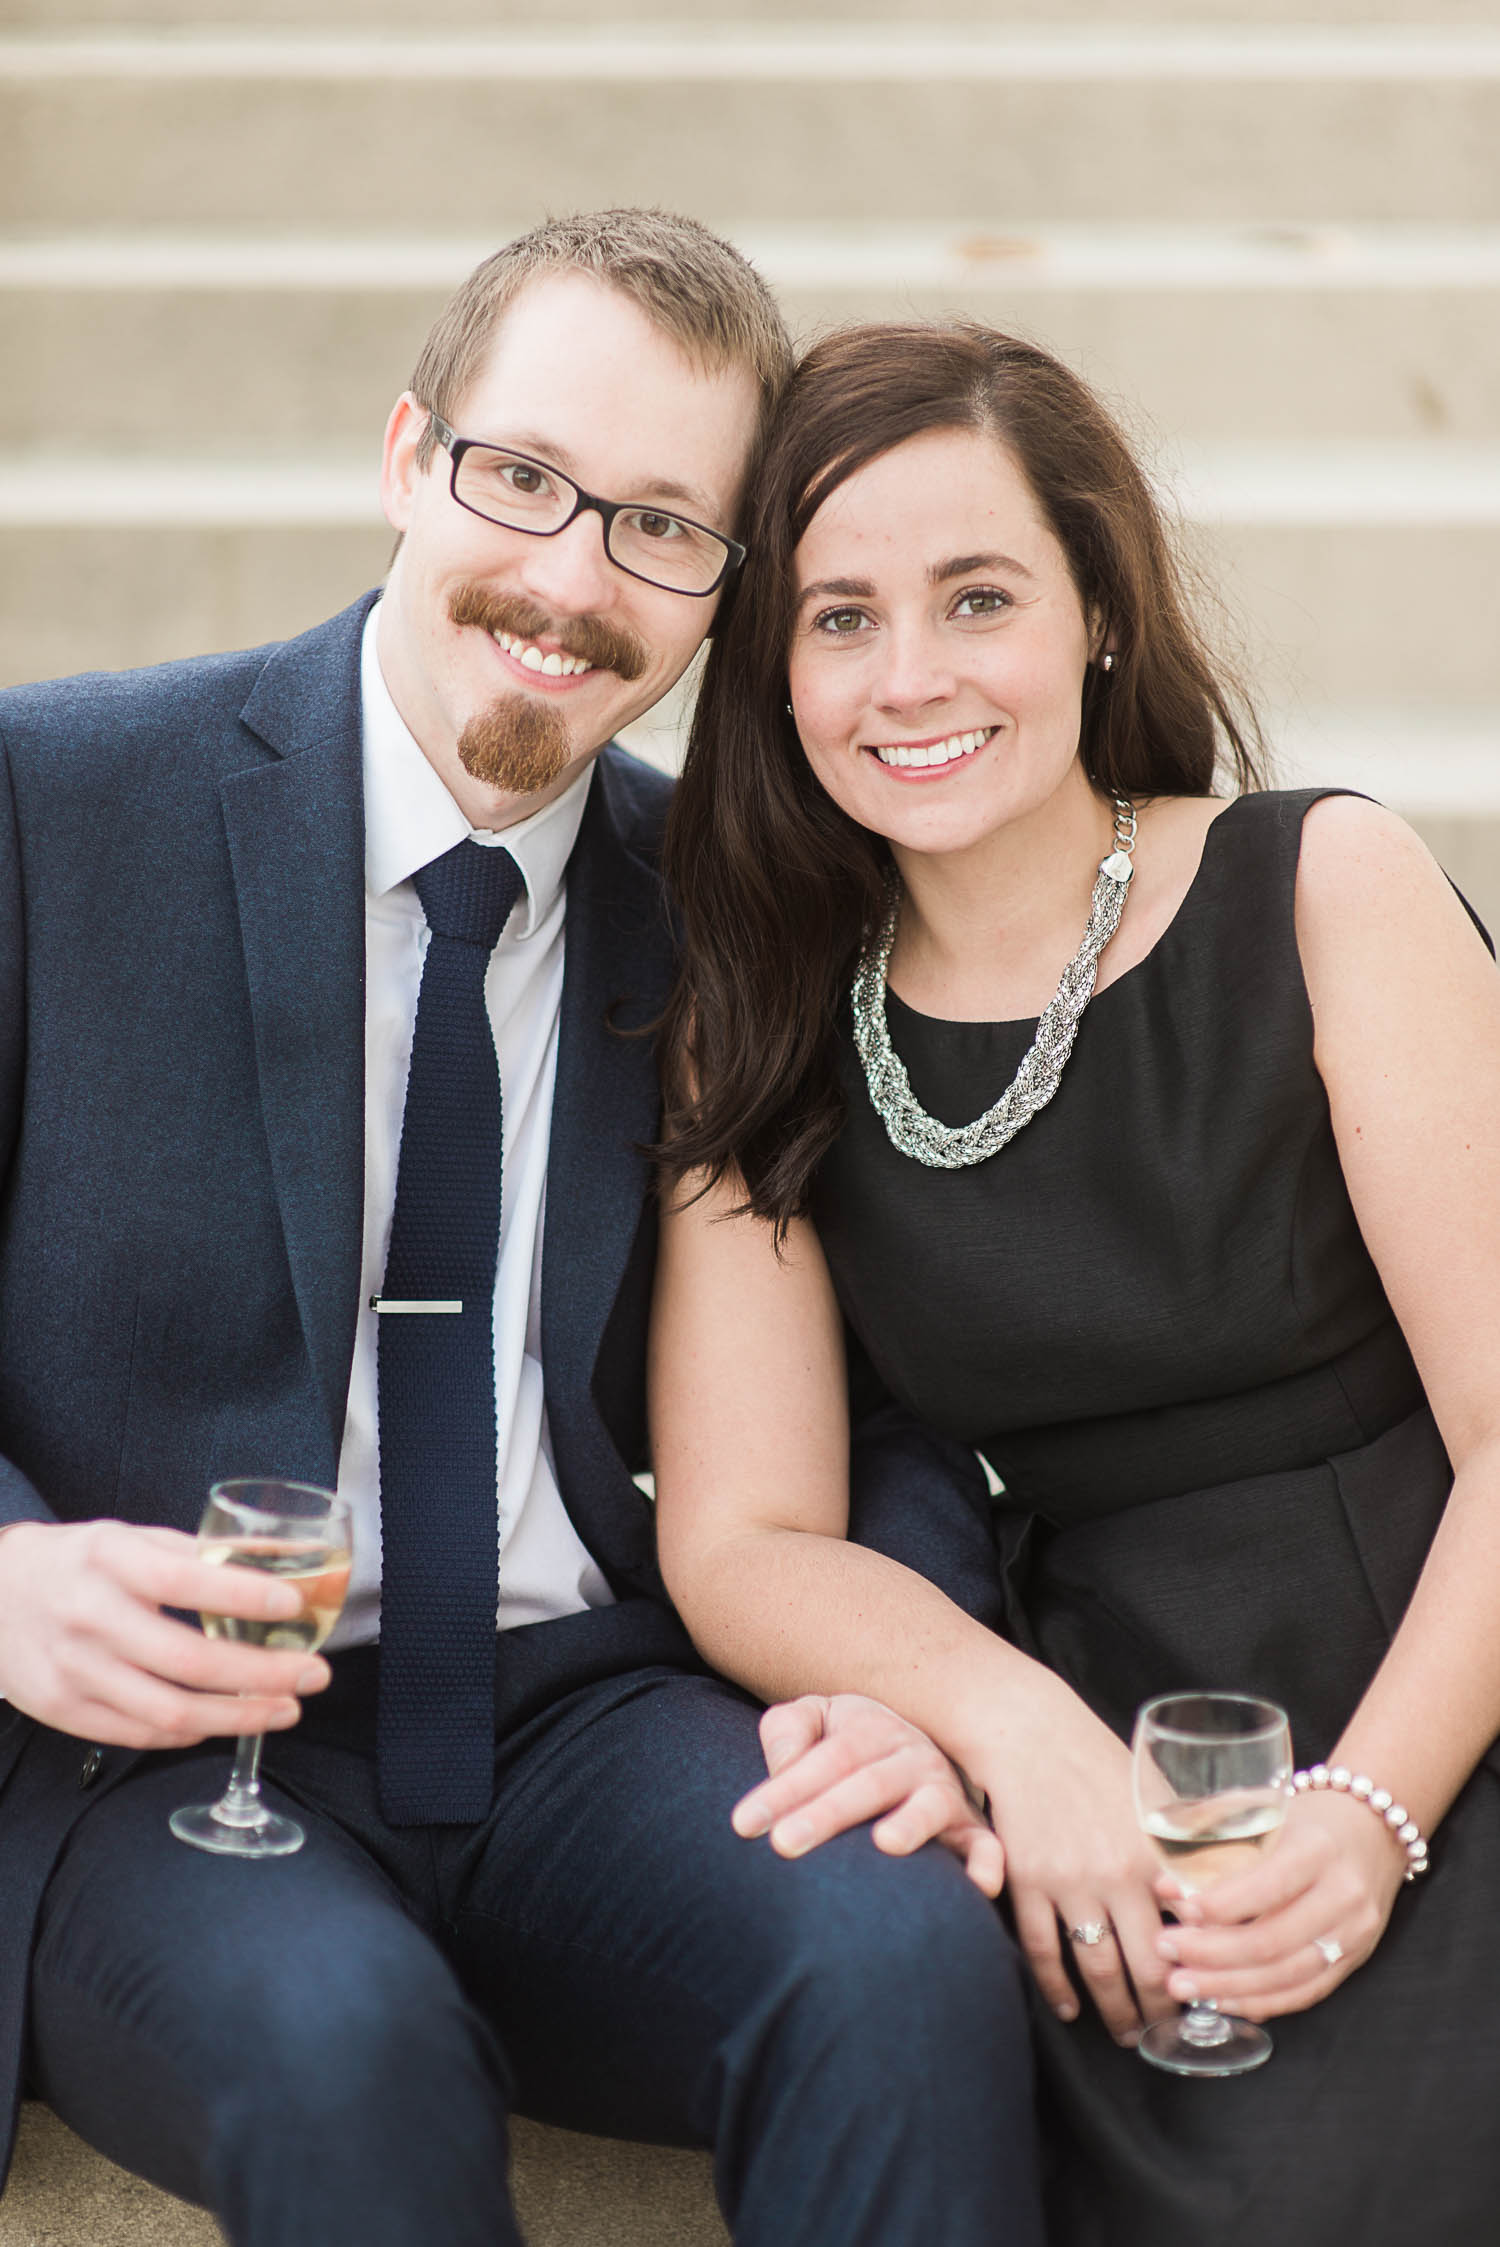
1209	332
557	15
1354	574
570	2191
770	122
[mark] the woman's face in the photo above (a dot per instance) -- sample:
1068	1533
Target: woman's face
939	646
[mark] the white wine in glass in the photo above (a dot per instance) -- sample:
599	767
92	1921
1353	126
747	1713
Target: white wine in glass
301	1534
1211	1776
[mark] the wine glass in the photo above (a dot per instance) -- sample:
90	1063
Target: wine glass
1211	1776
301	1534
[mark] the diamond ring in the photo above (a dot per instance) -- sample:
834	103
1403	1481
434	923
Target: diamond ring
1329	1948
1092	1931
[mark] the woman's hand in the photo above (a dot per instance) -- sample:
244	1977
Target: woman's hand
1060	1796
1251	1944
839	1759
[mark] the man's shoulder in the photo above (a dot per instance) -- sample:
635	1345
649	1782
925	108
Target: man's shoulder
158	693
162	700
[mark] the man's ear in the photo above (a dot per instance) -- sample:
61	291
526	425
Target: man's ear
399	472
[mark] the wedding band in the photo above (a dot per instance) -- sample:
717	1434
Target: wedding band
1092	1931
1330	1949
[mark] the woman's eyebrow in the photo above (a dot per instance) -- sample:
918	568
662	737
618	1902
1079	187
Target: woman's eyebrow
961	564
839	588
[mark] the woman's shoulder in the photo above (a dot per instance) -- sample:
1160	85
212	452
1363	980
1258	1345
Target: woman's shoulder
1366	880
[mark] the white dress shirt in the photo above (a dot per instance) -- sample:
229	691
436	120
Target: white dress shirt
410	819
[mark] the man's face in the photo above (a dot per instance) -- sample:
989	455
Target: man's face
578	377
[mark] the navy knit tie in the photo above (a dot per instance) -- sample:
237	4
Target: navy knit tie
439	1525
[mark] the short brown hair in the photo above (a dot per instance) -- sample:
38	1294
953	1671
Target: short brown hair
775	885
692	284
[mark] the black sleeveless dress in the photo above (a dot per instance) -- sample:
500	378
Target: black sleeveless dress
1154	1315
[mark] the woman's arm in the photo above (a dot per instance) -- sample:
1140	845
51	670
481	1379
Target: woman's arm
1406	1011
750	1445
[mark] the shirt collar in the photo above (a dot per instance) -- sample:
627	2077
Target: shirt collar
410	818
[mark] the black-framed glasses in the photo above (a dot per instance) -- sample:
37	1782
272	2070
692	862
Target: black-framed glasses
523	494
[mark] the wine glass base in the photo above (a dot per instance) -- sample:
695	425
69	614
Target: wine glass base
270	1836
1246	2047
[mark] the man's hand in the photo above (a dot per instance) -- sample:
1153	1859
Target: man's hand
837	1761
85	1648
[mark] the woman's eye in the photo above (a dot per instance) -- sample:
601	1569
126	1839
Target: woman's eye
985	600
840	624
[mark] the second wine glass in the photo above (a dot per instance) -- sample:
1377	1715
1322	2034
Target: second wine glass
1211	1774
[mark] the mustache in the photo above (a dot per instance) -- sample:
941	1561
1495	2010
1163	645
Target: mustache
609	647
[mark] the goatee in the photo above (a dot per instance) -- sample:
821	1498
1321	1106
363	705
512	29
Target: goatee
518	745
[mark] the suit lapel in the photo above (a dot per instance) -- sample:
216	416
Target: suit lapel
295	828
606	1104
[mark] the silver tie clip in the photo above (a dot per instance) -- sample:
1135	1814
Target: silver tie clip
395	1303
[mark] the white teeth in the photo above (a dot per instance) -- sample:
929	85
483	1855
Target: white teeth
937	752
552	666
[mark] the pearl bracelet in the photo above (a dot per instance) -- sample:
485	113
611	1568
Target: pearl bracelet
1378	1799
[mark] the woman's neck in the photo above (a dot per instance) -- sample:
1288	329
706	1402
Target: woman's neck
985	933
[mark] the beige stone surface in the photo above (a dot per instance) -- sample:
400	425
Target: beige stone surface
378	151
532	16
570	2191
314	368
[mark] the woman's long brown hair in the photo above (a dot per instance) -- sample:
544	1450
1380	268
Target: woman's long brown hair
775	885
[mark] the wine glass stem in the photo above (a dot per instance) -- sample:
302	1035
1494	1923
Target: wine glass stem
1204	2026
240	1804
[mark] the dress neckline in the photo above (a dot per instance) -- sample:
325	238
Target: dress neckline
1029	1021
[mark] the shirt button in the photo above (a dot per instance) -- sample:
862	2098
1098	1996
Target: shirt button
90	1768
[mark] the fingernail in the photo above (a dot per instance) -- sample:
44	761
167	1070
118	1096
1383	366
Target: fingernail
285	1716
792	1837
1067	2012
312	1677
282	1603
1129	2040
778	1758
1183	1986
1167	1946
748	1823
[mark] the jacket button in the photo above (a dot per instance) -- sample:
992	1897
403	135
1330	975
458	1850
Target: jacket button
90	1768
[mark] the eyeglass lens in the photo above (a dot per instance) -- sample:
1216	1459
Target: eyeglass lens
524	496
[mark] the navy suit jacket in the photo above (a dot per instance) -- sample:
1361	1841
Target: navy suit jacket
182	1128
181	1149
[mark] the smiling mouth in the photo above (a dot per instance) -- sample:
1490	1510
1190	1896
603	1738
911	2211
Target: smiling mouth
930	753
551	665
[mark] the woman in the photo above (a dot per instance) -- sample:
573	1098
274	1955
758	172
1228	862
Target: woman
1211	1288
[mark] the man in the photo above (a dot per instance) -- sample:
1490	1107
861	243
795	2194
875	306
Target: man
244	1087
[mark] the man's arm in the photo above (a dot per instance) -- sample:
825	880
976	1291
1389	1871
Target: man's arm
84	1644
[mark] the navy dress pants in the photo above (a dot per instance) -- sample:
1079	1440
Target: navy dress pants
325	2049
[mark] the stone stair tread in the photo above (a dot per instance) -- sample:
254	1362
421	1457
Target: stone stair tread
1432	480
571	2191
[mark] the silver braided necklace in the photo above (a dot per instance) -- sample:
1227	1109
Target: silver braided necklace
956	1147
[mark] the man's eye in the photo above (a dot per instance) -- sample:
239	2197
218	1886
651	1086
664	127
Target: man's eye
655	526
529	482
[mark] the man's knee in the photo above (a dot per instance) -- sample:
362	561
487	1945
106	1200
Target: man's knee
898	1952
